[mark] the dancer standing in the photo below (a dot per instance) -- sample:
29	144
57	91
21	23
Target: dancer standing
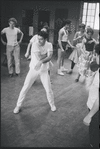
12	46
35	39
86	57
77	41
41	54
63	42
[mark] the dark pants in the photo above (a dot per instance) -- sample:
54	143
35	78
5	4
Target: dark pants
94	131
64	44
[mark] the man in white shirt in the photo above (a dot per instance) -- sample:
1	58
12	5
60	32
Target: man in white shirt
12	46
31	44
32	40
41	54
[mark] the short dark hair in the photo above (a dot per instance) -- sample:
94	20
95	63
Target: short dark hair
90	30
97	49
13	20
65	22
43	34
82	25
94	66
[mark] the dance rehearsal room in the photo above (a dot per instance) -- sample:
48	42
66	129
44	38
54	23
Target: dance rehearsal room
50	73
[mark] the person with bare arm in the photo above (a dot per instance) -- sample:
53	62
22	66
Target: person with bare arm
12	46
41	54
63	42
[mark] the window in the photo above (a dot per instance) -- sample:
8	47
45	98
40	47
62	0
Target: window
91	15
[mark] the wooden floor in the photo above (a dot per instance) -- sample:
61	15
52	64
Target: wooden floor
36	125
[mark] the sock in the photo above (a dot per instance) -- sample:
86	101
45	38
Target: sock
49	72
72	65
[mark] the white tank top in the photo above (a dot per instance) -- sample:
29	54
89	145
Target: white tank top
65	36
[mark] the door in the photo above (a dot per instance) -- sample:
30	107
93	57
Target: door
27	20
44	17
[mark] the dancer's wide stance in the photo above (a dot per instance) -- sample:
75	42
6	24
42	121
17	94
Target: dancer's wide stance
41	54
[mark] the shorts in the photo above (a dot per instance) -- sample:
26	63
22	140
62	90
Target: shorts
64	44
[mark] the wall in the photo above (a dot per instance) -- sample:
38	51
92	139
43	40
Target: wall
13	8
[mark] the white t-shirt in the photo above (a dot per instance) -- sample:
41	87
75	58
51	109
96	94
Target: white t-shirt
93	91
43	50
11	35
34	39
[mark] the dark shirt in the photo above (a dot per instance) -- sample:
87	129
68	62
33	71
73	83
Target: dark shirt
89	46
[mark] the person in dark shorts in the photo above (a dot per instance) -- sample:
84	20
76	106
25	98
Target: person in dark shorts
63	42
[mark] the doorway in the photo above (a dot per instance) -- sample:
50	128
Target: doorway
44	17
60	16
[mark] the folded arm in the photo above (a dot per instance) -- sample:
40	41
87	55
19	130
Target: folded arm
43	59
39	56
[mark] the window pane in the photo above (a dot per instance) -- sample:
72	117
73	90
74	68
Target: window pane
84	18
96	23
85	5
92	12
93	5
87	24
90	6
91	15
90	24
84	12
89	12
92	19
88	19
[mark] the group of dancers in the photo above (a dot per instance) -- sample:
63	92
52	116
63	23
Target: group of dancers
83	49
85	55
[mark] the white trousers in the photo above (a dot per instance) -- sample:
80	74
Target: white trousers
30	79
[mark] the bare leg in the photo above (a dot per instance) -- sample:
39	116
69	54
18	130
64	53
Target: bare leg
59	58
63	57
60	62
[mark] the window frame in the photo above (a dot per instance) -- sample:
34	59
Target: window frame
86	16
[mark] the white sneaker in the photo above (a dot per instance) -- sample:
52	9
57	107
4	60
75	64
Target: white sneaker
53	108
60	72
16	110
63	69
